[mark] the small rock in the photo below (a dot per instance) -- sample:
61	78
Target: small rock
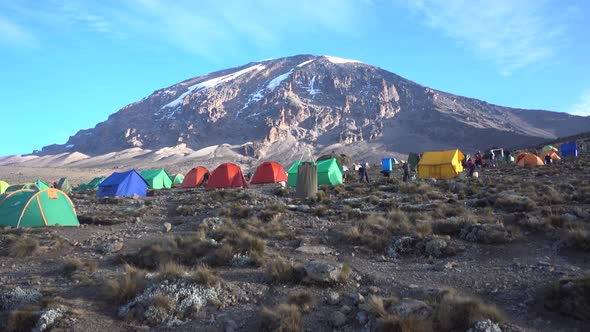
167	227
338	319
315	250
374	290
357	298
411	307
442	266
303	208
485	326
229	325
345	309
333	298
362	317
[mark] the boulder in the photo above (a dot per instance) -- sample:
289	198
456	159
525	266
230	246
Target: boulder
485	326
486	233
402	246
338	319
435	247
323	272
167	227
412	307
110	247
315	250
48	319
11	299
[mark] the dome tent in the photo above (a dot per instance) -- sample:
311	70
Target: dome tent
195	177
177	179
123	184
30	208
269	172
227	175
157	178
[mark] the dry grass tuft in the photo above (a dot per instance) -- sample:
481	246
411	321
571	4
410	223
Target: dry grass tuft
376	230
23	320
570	297
304	299
280	270
284	318
202	275
127	286
22	246
345	272
458	313
377	307
577	239
75	269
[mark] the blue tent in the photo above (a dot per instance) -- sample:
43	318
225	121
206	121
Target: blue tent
386	164
569	149
123	184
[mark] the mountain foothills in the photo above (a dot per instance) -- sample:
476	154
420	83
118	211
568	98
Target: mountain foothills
283	108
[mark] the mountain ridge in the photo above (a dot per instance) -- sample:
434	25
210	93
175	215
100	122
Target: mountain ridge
308	103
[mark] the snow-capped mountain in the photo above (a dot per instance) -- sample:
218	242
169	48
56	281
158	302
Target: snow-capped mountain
314	103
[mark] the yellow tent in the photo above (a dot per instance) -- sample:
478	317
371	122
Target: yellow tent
440	164
3	186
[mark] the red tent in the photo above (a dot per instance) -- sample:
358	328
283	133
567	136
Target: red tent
227	176
195	177
269	172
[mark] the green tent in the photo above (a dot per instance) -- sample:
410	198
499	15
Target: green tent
30	208
42	185
413	160
177	179
3	186
548	147
292	174
92	185
156	178
64	185
16	187
329	172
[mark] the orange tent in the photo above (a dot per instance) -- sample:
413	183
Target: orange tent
526	158
227	175
195	177
269	172
552	153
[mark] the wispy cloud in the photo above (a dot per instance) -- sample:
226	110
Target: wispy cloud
204	27
582	107
513	34
17	35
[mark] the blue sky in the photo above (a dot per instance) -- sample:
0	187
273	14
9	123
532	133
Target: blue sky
66	65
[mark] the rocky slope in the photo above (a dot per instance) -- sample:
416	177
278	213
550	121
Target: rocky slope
307	104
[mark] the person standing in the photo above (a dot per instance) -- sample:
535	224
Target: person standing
406	168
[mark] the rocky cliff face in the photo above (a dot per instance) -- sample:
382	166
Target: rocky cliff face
317	101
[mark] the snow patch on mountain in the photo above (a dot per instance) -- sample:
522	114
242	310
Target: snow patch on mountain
273	84
337	60
305	63
311	89
211	83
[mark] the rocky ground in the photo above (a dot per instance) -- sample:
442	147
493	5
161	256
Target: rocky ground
505	252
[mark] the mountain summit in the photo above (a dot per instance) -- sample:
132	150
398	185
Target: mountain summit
314	103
